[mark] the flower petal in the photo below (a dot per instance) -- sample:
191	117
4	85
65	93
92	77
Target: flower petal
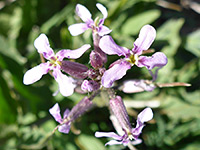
66	85
43	46
145	115
136	142
83	13
103	30
146	37
66	113
108	134
35	73
113	142
55	112
73	54
115	73
78	28
65	128
108	45
103	10
158	59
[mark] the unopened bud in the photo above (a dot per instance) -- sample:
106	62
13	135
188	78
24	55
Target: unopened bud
118	108
74	69
96	60
90	85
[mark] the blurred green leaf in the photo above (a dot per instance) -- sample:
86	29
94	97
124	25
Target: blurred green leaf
175	108
193	43
57	19
87	142
135	23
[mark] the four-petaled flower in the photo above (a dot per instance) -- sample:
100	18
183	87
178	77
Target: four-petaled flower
132	57
66	84
96	25
70	116
129	133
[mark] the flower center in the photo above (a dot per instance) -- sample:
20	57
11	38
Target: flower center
133	59
130	136
54	61
96	22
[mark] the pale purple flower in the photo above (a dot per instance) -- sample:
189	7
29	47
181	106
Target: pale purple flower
132	57
96	25
66	84
70	116
129	133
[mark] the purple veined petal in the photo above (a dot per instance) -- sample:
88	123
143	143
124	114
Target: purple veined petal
43	46
108	134
66	85
103	30
146	37
36	73
113	142
73	54
158	59
115	73
65	128
66	113
78	28
108	46
55	112
103	10
83	13
145	115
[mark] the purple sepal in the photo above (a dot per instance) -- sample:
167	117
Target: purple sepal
74	69
80	108
118	108
96	60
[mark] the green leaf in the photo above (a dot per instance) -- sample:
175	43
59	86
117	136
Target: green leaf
135	23
89	143
58	18
193	43
6	103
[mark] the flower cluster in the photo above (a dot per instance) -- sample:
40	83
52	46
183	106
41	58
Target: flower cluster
97	78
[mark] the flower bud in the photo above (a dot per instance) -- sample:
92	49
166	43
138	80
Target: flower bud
118	108
74	69
90	85
96	60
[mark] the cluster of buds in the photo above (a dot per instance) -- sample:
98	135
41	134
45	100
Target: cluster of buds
97	78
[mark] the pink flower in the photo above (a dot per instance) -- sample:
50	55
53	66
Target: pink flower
96	25
66	84
129	134
132	57
70	116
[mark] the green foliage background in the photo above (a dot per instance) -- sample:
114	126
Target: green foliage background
25	122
